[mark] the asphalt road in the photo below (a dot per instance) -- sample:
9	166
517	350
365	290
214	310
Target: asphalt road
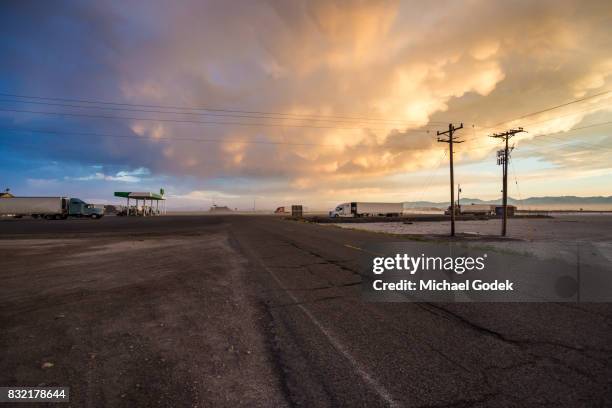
260	311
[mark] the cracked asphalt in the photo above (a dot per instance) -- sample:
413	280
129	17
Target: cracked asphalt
261	311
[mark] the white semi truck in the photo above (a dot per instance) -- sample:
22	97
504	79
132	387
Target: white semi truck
360	209
58	208
472	209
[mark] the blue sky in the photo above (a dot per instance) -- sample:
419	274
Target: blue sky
319	102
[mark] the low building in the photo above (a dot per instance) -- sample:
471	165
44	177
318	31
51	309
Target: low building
220	209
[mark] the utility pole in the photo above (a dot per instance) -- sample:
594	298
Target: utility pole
451	140
459	197
503	157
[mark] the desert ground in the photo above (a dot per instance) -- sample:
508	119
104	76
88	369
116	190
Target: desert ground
588	227
264	311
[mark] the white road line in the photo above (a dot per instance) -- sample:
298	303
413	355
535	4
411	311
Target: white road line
367	378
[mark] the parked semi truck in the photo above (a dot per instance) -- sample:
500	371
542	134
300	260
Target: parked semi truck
50	208
472	209
358	209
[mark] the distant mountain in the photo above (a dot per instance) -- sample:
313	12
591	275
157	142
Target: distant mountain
570	201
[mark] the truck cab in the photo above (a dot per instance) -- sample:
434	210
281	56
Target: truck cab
342	210
79	208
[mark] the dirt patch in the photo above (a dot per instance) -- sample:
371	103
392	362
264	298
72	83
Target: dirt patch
163	321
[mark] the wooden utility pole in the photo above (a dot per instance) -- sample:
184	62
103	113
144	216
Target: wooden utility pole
503	157
451	140
459	197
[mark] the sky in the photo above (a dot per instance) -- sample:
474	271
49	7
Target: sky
308	102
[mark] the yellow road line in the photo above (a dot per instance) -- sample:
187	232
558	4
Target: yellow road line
361	249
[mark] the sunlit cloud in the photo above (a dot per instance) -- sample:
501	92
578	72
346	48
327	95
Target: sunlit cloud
414	66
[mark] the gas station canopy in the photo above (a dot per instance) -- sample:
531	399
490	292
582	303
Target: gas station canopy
144	209
139	195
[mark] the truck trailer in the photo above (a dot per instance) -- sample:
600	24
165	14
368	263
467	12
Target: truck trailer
472	209
58	208
360	209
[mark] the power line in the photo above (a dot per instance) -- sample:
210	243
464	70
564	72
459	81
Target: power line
540	143
537	138
257	124
190	139
574	129
283	115
573	142
518	190
203	108
594	108
551	108
231	115
194	139
554	133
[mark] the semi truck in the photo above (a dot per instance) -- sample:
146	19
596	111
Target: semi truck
50	208
360	209
472	209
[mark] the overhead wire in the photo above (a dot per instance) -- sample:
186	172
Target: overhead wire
551	108
551	135
230	115
518	190
190	139
211	109
548	110
121	106
256	124
267	142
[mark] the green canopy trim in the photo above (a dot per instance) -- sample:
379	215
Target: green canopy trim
139	195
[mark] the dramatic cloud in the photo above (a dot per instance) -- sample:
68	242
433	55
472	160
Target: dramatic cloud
399	70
